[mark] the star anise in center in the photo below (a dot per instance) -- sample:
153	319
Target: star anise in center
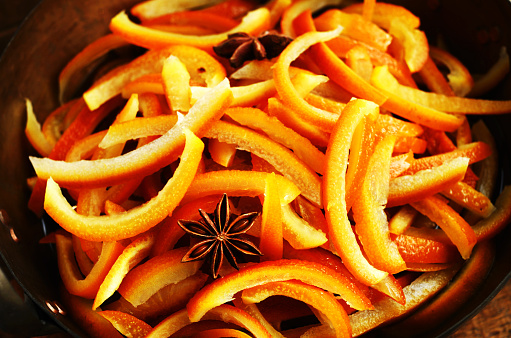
241	47
220	234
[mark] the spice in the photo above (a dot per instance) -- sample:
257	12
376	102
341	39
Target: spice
220	236
241	47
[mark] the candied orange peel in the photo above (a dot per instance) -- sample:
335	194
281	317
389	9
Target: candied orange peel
351	144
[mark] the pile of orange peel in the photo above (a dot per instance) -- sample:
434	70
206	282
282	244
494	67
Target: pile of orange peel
377	197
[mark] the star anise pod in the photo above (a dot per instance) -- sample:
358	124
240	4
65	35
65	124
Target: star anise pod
241	47
220	236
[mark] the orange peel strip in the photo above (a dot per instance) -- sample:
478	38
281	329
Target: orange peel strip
176	84
368	211
454	226
133	254
413	41
424	250
403	105
201	66
136	220
92	52
146	10
71	276
335	68
332	312
290	119
298	232
459	77
334	189
384	80
224	312
297	7
285	88
355	27
410	188
271	240
34	133
418	292
384	13
475	152
146	279
254	22
271	126
138	128
493	224
284	160
223	289
238	183
144	160
128	325
471	199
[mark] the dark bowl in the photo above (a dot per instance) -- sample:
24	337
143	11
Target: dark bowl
58	29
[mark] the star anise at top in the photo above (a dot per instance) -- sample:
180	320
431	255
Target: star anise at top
241	47
220	233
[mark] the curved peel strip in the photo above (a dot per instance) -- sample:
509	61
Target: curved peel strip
334	189
225	313
253	22
223	289
146	279
336	69
34	133
498	219
271	240
238	183
452	104
368	211
271	126
410	188
422	289
144	160
284	160
130	257
454	226
285	88
333	314
71	276
403	105
128	325
298	232
136	220
90	53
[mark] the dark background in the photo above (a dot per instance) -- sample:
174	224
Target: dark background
12	13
